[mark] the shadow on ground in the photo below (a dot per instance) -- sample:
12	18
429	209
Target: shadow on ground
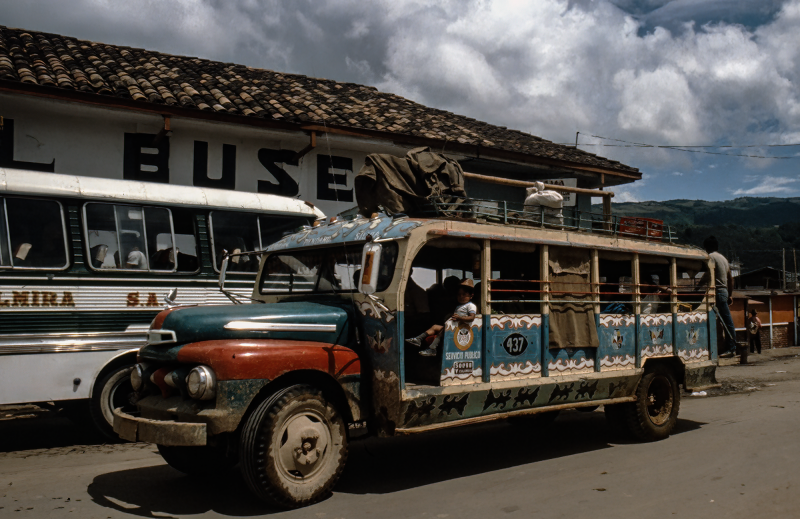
375	466
47	429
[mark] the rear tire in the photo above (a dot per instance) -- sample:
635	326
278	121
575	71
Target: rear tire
654	414
197	461
110	392
293	447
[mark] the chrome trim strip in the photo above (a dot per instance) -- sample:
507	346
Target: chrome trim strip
279	327
211	282
27	343
171	338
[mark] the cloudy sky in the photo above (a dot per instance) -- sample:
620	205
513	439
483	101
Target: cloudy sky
658	72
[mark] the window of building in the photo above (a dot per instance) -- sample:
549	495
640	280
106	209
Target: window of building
128	237
32	234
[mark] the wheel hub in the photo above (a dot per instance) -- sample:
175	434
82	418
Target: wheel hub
303	445
659	400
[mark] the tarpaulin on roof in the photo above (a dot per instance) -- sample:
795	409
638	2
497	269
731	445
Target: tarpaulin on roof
403	184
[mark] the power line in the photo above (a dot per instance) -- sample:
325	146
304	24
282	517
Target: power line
688	148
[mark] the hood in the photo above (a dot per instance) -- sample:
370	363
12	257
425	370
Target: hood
300	320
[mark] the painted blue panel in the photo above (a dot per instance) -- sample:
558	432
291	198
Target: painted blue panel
515	346
617	335
383	227
691	339
461	352
655	335
568	361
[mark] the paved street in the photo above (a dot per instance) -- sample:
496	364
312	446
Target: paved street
734	455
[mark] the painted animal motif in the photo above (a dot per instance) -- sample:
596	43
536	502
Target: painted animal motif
500	400
586	390
617	338
614	387
526	397
692	336
380	343
561	392
453	403
415	410
655	336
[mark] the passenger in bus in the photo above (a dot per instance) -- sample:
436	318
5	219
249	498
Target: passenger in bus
21	252
464	312
97	255
653	294
163	259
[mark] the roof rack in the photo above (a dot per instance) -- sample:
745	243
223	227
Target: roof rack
515	213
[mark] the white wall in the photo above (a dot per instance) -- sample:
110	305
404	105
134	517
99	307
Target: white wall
90	141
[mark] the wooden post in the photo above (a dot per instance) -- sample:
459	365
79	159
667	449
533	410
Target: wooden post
783	256
607	213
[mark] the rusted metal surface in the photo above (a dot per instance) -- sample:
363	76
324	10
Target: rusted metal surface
269	359
160	432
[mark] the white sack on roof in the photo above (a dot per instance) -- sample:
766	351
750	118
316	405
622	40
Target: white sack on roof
540	200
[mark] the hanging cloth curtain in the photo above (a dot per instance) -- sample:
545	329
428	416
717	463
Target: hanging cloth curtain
572	323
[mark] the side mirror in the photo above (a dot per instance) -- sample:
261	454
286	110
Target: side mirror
222	269
370	268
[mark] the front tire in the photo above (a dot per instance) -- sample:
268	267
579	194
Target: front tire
293	447
110	392
654	414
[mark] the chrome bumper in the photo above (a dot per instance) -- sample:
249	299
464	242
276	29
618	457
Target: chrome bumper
135	429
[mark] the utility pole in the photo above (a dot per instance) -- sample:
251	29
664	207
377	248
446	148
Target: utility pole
794	255
783	254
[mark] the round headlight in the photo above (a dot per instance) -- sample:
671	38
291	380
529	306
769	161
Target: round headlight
137	376
201	383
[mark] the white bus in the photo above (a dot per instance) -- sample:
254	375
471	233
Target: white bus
86	263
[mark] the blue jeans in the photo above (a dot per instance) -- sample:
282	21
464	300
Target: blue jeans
724	313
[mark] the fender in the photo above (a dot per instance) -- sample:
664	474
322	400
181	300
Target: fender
270	358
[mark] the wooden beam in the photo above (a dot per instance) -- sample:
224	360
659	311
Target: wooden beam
607	195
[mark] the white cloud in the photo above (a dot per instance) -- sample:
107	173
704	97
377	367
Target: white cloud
603	67
770	186
677	173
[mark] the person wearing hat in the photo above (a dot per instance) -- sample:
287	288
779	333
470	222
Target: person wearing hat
464	312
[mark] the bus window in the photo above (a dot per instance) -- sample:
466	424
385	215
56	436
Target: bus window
692	285
5	256
616	282
235	233
126	237
272	228
514	284
185	240
35	234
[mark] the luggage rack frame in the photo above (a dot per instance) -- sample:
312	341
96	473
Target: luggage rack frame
514	213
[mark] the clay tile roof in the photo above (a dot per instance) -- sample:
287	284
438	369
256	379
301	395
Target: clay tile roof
144	76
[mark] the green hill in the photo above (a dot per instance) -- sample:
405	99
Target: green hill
754	230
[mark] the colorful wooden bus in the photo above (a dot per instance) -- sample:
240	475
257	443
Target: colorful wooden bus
566	318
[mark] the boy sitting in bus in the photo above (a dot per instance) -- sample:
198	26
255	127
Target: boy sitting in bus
464	312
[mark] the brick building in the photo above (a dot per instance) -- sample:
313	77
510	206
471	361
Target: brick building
777	310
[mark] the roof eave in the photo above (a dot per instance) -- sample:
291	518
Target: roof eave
469	150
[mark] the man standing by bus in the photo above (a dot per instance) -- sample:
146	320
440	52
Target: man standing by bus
723	281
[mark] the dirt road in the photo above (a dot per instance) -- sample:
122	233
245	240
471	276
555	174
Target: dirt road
733	455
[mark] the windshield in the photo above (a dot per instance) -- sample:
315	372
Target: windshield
328	270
